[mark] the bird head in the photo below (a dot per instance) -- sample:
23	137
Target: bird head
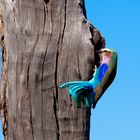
107	54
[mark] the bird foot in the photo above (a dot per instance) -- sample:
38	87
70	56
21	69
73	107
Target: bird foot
94	69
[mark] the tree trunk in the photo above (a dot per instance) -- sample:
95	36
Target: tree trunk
45	43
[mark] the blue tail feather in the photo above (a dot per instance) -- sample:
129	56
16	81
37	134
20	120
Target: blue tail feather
81	91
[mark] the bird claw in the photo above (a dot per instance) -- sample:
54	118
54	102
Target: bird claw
94	69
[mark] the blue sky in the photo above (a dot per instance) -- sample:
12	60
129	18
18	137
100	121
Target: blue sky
117	114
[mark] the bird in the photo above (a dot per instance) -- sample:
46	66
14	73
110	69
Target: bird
89	92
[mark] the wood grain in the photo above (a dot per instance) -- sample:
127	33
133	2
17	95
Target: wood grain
47	42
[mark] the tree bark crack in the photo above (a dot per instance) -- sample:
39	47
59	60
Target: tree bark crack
65	20
56	87
55	114
44	19
82	5
46	1
56	72
79	73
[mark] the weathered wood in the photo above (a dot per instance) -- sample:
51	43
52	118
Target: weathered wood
46	42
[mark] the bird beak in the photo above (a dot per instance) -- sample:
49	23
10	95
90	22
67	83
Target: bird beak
99	51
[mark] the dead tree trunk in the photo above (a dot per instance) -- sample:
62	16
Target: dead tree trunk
45	43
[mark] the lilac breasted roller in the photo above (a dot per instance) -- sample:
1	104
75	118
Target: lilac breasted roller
89	92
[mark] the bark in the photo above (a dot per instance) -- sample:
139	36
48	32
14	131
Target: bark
45	43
